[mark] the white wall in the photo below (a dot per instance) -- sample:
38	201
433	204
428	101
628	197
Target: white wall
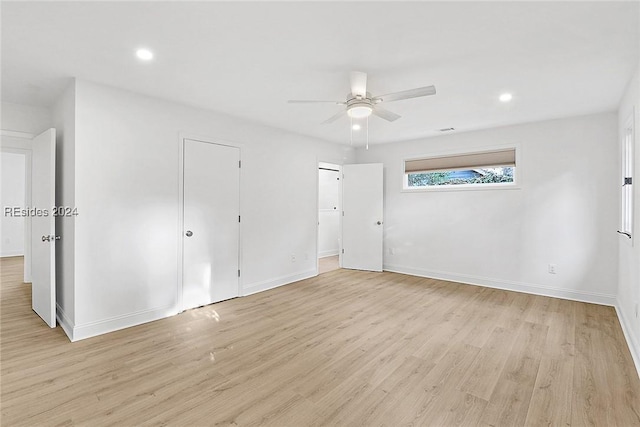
565	212
63	116
126	191
12	193
629	264
24	118
328	211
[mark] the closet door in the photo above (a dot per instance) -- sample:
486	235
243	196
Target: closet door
362	204
211	223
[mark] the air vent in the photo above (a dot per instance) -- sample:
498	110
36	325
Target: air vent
446	129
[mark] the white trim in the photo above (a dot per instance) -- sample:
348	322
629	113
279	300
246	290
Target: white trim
528	288
179	283
632	343
265	285
64	322
628	156
92	329
183	136
325	254
461	187
17	134
210	140
12	254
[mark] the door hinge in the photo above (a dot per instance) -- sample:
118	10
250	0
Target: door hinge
239	163
238	273
628	181
342	213
238	218
342	250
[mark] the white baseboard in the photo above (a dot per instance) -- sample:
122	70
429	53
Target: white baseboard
276	282
92	329
325	254
570	294
9	254
632	342
64	322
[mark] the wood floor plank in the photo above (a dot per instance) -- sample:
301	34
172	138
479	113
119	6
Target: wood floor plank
344	348
509	403
485	371
552	394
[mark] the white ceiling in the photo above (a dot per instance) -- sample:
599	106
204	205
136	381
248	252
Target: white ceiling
247	59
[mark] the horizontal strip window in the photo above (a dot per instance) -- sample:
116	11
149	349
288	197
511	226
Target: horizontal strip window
462	161
466	169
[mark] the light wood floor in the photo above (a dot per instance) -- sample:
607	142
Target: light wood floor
328	263
345	348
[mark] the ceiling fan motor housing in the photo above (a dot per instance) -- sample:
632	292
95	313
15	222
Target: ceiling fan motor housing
359	107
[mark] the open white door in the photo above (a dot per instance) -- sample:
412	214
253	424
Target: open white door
43	228
362	193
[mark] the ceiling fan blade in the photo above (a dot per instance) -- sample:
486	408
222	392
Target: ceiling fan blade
359	84
302	101
406	94
333	118
386	114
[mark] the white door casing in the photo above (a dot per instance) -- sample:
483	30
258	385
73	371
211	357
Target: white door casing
362	224
43	228
211	215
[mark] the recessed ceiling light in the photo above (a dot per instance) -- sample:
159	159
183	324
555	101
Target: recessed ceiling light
355	127
144	54
506	97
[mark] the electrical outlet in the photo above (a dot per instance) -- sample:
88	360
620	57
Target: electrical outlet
293	257
552	269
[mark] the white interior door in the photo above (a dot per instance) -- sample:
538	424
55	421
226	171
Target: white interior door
211	223
362	193
43	228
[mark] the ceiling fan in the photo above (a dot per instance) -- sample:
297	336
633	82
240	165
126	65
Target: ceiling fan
361	104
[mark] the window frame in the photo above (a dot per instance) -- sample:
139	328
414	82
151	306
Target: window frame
515	185
627	169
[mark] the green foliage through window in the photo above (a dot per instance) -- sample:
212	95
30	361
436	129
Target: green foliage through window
457	177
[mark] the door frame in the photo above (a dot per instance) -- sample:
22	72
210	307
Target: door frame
22	145
340	164
206	140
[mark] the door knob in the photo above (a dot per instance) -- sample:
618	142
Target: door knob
189	233
46	238
379	223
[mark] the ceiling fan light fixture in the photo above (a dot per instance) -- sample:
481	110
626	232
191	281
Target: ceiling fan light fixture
359	111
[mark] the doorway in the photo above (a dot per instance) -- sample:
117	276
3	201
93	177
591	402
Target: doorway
329	216
14	194
16	191
210	222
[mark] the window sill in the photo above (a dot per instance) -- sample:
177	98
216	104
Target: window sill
462	187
